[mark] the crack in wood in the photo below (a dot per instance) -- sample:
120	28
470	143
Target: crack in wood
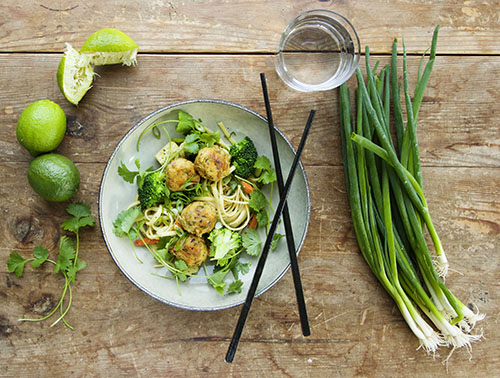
59	10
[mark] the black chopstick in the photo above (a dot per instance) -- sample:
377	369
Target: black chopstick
304	321
265	251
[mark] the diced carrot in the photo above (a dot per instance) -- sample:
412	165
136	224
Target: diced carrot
253	221
148	241
247	187
178	225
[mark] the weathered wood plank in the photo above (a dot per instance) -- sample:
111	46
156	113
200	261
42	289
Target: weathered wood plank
356	329
214	49
245	26
458	121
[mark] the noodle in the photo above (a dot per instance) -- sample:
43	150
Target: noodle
158	222
232	207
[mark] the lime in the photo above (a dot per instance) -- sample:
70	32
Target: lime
41	127
109	46
54	177
74	75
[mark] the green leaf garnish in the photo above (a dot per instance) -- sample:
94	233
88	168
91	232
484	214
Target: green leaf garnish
217	280
123	223
66	254
262	218
41	255
15	264
268	174
257	201
81	217
276	238
67	263
73	269
235	287
186	123
251	241
240	267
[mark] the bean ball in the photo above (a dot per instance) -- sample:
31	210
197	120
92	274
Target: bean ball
191	249
198	217
179	172
213	163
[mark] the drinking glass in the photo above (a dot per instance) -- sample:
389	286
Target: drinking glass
319	50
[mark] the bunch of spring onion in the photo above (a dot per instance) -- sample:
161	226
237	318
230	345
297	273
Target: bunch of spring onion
388	206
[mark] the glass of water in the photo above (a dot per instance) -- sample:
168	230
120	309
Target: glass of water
319	50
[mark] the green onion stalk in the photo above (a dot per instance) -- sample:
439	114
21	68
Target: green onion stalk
388	205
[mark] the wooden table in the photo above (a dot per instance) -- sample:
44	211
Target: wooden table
215	49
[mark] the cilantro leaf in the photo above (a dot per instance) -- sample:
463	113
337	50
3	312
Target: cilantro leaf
268	174
182	267
74	224
257	200
163	254
129	175
70	224
180	264
74	268
81	217
78	210
41	254
66	254
268	177
262	218
251	241
235	287
210	138
263	163
276	238
240	267
126	174
15	264
190	144
191	138
217	280
123	223
186	123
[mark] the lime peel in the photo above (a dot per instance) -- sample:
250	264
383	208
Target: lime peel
74	75
109	46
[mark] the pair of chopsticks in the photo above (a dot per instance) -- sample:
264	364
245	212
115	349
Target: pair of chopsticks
281	209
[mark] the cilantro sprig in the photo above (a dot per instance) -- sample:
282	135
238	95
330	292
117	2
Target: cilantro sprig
266	174
129	176
196	134
67	263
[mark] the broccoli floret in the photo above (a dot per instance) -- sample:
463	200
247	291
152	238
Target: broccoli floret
243	156
224	243
153	189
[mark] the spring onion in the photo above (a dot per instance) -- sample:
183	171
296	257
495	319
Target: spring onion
388	205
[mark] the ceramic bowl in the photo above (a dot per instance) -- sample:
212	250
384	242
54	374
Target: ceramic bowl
116	195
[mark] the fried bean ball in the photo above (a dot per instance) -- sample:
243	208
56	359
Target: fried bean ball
179	171
198	217
191	249
212	163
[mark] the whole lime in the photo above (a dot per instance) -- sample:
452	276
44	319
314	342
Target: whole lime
54	177
41	127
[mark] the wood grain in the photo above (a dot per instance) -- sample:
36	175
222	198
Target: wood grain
457	124
245	26
354	323
214	49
